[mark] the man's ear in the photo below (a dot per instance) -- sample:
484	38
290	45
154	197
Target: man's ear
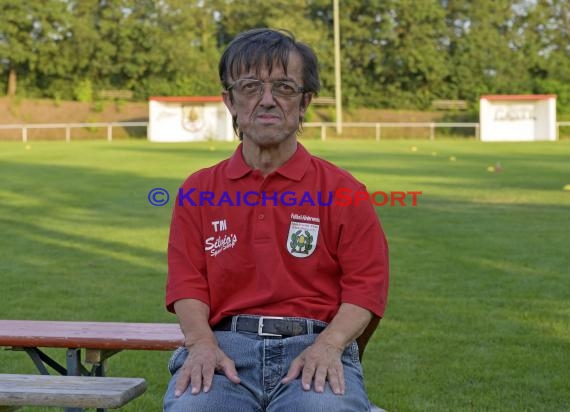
228	101
305	101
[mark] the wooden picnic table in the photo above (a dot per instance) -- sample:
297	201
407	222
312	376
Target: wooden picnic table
100	340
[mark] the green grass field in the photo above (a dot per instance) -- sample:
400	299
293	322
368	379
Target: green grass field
479	309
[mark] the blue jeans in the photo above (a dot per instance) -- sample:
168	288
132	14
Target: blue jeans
261	364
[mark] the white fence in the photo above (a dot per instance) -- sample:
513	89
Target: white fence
376	126
69	126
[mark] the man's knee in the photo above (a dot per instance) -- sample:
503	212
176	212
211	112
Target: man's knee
189	402
222	397
311	401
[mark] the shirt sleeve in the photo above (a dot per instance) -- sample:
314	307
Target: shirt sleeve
186	260
363	257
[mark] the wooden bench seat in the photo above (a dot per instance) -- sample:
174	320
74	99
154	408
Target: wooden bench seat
116	94
449	104
68	391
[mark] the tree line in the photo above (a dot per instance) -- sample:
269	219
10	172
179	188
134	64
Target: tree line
394	53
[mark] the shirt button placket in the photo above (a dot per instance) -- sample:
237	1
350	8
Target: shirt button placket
262	214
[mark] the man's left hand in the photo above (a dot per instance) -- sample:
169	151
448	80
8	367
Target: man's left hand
320	362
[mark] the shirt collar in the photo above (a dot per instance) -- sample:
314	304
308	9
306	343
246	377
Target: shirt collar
237	167
293	169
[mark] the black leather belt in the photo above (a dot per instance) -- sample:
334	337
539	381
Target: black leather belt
268	326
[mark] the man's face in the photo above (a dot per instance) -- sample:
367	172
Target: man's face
265	119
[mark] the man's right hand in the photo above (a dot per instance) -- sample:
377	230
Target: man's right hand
204	357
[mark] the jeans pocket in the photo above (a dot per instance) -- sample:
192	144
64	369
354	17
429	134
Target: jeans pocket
177	359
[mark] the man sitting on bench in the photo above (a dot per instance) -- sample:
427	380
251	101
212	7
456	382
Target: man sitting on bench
271	278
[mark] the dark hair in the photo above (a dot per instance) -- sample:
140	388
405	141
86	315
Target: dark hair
264	48
259	48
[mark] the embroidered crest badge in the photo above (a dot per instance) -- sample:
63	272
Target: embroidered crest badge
302	239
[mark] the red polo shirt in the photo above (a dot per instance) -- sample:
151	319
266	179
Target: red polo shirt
275	246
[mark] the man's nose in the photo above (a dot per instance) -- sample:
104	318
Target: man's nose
267	98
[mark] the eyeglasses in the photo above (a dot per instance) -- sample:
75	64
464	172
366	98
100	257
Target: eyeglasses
253	87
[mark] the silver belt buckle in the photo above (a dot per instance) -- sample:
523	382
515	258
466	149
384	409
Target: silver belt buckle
260	331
